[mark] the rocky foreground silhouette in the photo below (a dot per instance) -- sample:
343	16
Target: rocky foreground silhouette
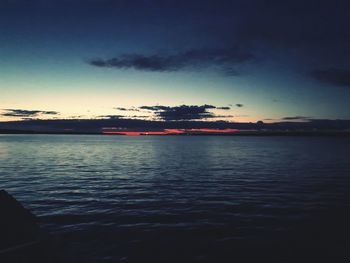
21	238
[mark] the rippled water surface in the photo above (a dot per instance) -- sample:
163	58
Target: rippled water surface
183	198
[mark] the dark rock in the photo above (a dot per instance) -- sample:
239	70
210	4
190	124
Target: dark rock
21	238
17	225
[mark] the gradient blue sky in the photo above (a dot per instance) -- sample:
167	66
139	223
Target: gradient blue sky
299	52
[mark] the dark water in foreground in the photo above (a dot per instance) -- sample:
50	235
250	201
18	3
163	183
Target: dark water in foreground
186	198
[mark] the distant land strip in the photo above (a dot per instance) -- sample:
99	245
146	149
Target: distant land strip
197	133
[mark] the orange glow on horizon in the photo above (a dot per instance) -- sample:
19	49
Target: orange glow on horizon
170	131
213	130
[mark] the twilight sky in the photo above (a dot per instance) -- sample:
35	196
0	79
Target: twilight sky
239	60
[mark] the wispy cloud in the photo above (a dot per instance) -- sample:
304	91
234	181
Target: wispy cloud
297	118
26	113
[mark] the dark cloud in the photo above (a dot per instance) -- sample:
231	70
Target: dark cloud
224	58
333	76
26	113
299	118
126	109
304	22
184	112
239	105
154	108
301	34
223	108
111	116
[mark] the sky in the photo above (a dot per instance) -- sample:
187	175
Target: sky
233	61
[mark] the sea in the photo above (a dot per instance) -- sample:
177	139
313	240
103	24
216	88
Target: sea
109	198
